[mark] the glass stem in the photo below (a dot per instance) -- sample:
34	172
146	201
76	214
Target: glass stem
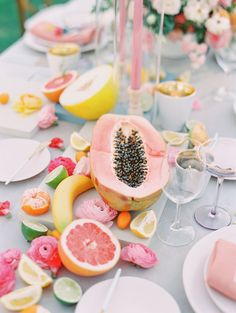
220	181
177	222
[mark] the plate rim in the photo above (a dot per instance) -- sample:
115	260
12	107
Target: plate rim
133	278
46	150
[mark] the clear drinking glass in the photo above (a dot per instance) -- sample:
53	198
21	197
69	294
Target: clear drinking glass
214	216
186	180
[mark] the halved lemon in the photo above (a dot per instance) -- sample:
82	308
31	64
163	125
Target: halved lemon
78	142
174	138
22	298
32	274
144	225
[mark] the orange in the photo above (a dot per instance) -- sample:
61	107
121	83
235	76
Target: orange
123	219
36	204
79	155
88	248
35	309
4	98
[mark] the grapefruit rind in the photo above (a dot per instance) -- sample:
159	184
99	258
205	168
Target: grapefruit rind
53	94
84	268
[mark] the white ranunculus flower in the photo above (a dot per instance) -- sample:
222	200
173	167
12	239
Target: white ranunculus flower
197	11
217	24
172	7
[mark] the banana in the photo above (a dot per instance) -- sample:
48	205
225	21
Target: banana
65	194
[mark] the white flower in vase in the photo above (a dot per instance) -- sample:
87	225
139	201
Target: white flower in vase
197	11
171	7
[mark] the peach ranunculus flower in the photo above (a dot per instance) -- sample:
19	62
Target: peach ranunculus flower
171	7
139	254
47	116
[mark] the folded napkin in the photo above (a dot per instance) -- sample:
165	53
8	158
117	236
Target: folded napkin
53	33
221	271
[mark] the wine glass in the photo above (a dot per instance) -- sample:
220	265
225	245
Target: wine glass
214	216
186	180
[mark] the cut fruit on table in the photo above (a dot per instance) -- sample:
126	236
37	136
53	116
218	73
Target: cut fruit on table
67	290
96	250
56	176
35	309
32	274
93	94
31	230
22	298
78	142
174	138
55	86
144	225
35	201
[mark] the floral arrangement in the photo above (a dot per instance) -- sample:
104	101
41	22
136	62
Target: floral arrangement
199	23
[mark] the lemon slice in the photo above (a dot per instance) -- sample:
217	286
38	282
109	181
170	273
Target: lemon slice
32	274
144	225
78	142
175	139
22	298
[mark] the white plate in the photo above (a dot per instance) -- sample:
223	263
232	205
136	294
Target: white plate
132	294
193	270
13	152
225	154
225	304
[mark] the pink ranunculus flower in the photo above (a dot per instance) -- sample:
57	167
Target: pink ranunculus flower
226	3
139	254
219	41
7	279
96	209
44	251
47	116
11	257
82	167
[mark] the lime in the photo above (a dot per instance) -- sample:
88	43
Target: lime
54	178
67	290
190	124
144	224
174	138
31	230
78	142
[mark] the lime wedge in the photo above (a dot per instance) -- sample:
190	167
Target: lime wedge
67	291
31	230
190	124
54	178
175	139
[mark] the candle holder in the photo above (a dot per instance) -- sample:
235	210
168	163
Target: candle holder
134	101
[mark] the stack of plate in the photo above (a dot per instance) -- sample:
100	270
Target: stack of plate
201	297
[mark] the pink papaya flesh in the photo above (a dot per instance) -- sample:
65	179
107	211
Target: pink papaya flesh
128	164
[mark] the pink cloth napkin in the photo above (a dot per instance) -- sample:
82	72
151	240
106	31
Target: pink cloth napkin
51	32
221	272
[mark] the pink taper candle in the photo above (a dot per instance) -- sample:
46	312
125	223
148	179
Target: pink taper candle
137	45
122	29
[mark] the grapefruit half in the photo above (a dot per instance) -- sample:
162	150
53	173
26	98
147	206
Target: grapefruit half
93	94
55	86
88	248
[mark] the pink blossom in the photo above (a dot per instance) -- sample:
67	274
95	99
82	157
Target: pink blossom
5	208
197	105
201	48
47	116
7	279
139	254
10	257
193	56
96	209
226	3
219	41
82	167
44	251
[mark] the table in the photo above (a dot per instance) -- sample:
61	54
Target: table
219	117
